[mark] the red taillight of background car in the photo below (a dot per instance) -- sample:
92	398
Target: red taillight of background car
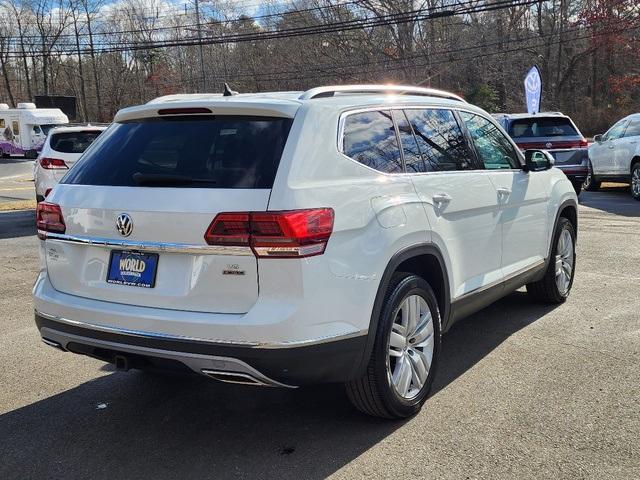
53	163
49	219
286	234
563	145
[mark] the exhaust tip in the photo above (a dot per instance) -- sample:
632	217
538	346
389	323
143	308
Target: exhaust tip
234	377
53	343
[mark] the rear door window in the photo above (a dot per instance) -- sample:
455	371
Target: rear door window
440	140
542	127
370	139
412	157
72	142
193	151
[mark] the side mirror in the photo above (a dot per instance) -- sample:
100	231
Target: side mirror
598	138
538	160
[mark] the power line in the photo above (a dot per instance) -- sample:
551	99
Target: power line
242	18
323	68
333	27
317	74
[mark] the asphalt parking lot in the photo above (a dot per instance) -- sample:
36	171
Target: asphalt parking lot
524	391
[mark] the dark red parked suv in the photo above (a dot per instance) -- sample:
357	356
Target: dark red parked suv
554	132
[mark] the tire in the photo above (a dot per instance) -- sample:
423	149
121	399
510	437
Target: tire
635	181
577	186
376	393
590	184
551	289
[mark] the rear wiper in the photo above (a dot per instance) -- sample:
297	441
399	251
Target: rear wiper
167	179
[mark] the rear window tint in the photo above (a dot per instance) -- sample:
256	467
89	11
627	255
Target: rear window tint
199	151
542	127
73	142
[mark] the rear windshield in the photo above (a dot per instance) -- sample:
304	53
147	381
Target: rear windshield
73	142
541	127
194	151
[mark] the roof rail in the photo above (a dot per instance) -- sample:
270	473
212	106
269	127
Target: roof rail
330	91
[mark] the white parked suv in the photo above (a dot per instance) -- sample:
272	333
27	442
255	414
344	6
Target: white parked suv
615	156
62	148
292	238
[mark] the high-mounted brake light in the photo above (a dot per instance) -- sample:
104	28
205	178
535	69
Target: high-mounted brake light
49	219
53	163
183	111
292	233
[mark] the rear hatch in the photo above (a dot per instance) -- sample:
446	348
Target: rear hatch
146	192
556	134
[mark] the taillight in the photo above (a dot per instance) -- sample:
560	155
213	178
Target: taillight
52	163
229	229
293	233
49	219
554	145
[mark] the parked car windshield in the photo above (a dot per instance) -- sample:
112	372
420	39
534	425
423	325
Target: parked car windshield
73	142
542	127
46	128
193	151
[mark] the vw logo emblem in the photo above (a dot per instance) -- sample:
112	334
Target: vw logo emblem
549	145
124	224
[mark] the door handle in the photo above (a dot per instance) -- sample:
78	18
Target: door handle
440	199
503	193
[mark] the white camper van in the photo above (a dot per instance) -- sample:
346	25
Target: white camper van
23	130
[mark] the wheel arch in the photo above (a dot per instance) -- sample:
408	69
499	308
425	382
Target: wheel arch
634	160
569	210
425	260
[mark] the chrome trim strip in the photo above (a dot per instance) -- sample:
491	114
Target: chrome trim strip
159	247
234	343
215	374
502	280
51	343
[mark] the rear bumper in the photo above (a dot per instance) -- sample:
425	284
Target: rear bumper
337	360
575	173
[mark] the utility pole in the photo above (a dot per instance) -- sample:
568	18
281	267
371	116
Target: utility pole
203	79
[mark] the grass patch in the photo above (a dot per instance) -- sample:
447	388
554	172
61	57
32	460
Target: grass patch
18	205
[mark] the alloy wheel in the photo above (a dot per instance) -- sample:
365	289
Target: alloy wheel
564	262
410	348
635	182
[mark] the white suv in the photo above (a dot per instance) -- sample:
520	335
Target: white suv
62	148
290	238
615	156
